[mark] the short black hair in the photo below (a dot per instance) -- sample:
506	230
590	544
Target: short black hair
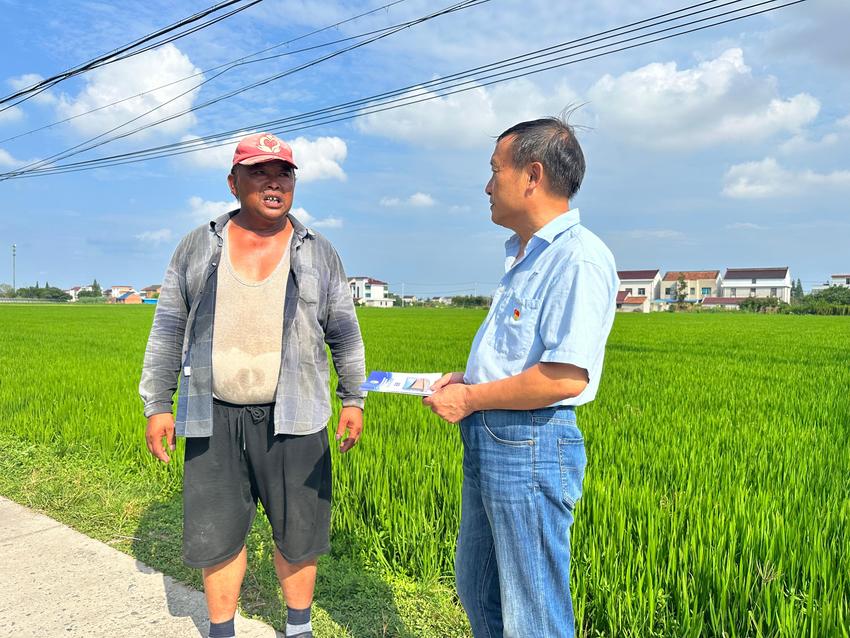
552	142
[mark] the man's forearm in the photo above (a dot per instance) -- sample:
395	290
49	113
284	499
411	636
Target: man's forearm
537	387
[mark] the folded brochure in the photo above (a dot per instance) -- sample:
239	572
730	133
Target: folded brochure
418	383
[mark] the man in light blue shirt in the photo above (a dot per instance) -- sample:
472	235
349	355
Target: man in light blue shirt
538	354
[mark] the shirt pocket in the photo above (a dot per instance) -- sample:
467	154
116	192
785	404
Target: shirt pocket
516	326
308	286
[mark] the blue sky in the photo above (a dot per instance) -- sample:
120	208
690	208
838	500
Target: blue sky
723	148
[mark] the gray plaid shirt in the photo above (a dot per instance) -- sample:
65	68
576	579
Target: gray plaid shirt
318	309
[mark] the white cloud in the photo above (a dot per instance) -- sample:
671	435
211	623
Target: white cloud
661	233
202	210
317	159
212	155
11	114
29	79
421	200
308	220
718	101
133	76
417	200
7	161
764	179
447	121
844	122
155	236
803	144
745	226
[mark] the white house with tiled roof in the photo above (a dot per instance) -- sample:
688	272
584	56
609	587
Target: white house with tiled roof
638	284
758	282
699	284
75	292
367	291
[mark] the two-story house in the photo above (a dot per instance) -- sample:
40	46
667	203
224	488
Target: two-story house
117	291
641	287
151	292
758	282
699	284
367	291
75	292
840	280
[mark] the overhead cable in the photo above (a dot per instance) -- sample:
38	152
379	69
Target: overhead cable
512	68
238	62
93	142
126	51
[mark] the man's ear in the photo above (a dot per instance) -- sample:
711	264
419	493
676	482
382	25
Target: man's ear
231	182
535	174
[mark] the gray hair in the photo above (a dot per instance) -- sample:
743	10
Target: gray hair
552	142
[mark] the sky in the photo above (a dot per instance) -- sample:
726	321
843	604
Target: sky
722	148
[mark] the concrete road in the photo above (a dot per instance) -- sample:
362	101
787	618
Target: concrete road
56	582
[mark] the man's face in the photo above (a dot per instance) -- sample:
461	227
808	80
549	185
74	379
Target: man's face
506	187
265	189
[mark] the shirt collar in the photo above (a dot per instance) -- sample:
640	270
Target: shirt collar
547	234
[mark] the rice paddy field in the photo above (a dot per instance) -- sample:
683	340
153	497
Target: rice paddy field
716	500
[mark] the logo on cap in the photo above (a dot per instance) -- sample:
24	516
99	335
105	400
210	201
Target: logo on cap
269	144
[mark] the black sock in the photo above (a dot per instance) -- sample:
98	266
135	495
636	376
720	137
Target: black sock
222	629
298	623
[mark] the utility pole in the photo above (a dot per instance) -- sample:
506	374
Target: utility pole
402	294
14	252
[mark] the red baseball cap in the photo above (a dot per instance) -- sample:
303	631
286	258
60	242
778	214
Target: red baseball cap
262	147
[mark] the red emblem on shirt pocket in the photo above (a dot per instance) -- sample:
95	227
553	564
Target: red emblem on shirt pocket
516	314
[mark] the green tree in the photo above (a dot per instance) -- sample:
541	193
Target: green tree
48	293
94	293
6	291
681	290
797	293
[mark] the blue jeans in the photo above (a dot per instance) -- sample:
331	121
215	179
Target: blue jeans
522	475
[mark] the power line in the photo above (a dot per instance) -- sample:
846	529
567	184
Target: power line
92	143
228	66
510	62
116	54
461	84
323	116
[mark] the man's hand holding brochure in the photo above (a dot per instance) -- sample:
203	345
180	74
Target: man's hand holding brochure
415	383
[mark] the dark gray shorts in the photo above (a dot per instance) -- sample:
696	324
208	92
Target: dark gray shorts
244	461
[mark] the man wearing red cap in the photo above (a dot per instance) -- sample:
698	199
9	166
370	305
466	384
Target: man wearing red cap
248	303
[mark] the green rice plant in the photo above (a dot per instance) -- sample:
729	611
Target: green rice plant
717	495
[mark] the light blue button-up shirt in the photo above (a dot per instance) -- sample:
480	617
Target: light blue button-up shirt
555	304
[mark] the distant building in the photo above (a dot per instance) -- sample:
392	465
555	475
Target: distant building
116	291
367	291
131	297
75	292
840	280
699	284
758	282
641	288
151	292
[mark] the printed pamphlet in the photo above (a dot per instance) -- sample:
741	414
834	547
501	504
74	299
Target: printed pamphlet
417	383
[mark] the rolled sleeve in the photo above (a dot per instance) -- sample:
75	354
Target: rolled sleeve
573	324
